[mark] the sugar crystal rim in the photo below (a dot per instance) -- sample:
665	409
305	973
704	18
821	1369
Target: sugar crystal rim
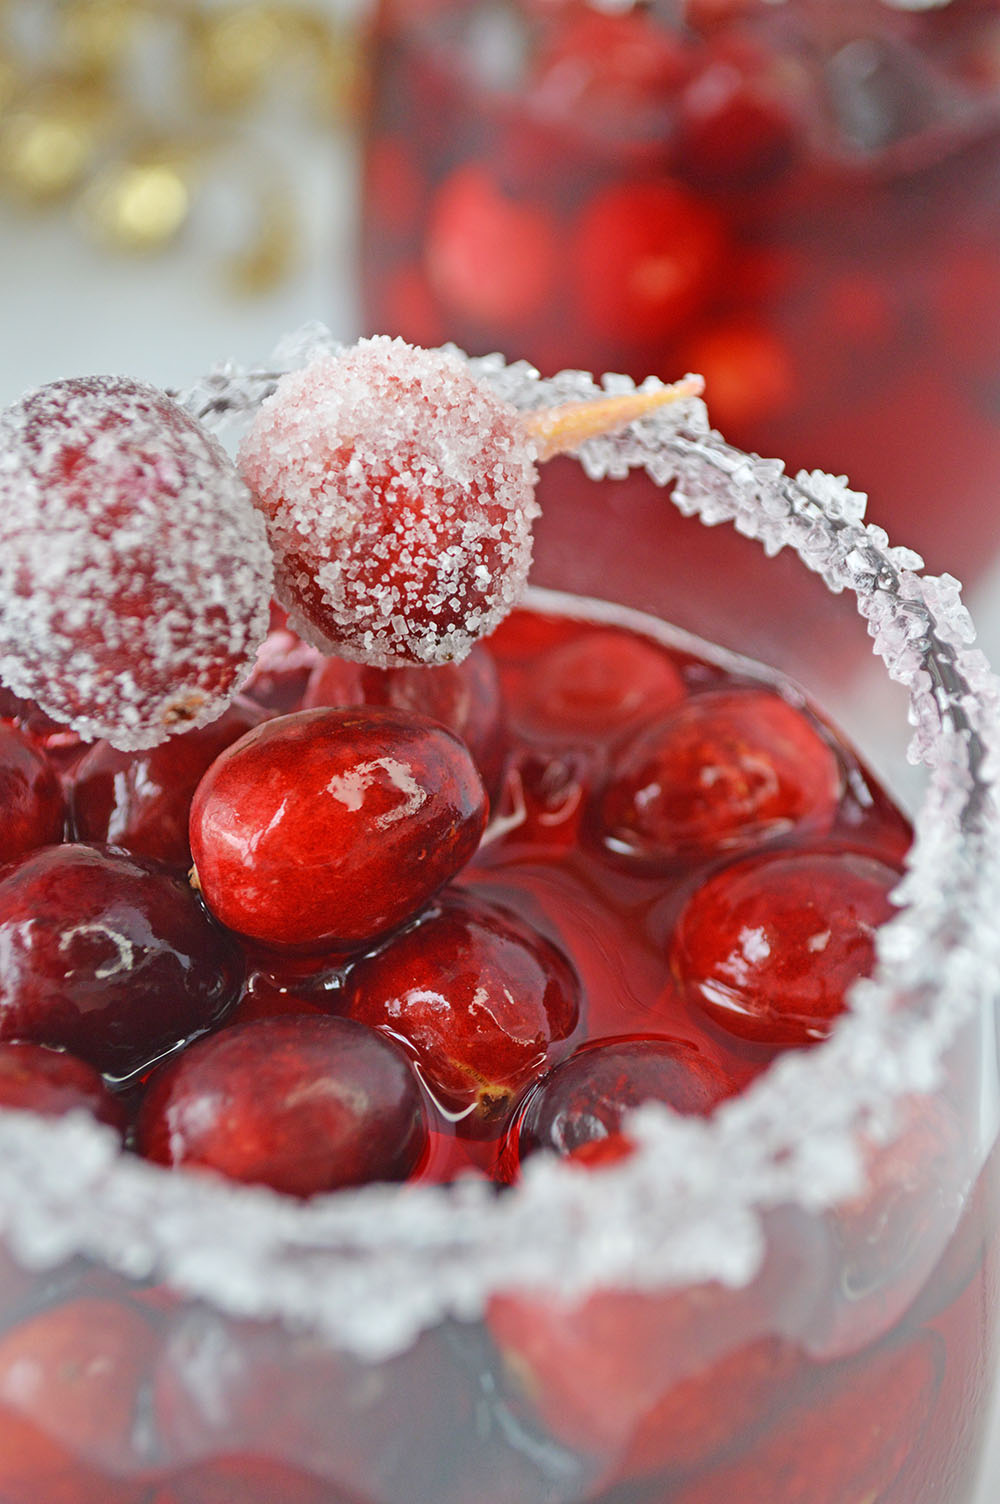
373	1268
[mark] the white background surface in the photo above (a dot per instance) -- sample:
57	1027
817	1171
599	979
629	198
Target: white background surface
67	309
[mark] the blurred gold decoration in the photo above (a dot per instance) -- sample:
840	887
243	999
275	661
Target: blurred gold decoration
140	111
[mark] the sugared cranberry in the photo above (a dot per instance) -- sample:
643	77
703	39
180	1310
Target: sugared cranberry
142	800
585	1098
134	571
34	1078
481	1000
108	956
329	827
464	696
302	1104
600	681
399	495
726	770
31	800
770	946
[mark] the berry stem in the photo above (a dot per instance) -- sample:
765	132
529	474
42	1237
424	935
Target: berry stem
562	429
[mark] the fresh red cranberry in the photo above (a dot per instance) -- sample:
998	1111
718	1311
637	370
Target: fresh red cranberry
301	1104
747	367
34	1078
599	682
464	696
645	258
109	956
399	495
482	1001
134	571
61	745
725	770
31	799
734	130
490	258
585	1098
69	1381
248	1479
606	67
543	794
282	670
769	947
142	800
329	827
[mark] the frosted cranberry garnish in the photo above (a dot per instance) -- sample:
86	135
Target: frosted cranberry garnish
134	570
142	800
727	769
585	1098
769	946
34	1078
302	1104
482	1001
329	827
31	800
109	956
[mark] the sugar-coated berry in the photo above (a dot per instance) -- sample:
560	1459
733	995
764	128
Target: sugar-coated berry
327	828
300	1103
399	497
769	947
481	1000
134	570
34	1078
109	956
725	770
142	800
32	809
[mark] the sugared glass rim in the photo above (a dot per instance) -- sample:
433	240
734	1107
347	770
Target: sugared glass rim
372	1268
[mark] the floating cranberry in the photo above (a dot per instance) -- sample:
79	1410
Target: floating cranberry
464	696
727	769
769	947
748	368
109	956
608	68
31	801
329	827
734	131
586	1097
142	800
301	1104
481	1000
34	1078
600	681
399	495
134	571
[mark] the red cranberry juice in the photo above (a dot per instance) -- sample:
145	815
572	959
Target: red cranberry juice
797	200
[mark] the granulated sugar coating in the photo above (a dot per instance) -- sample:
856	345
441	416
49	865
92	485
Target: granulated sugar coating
399	494
134	570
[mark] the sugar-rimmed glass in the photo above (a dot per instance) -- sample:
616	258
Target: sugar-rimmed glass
816	1259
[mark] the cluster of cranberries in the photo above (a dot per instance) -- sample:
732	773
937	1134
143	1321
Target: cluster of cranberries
425	912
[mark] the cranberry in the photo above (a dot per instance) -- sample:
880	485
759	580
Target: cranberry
734	130
481	1000
645	258
464	696
34	1078
542	797
586	1097
727	769
142	800
490	258
769	947
30	796
302	1104
599	682
281	670
399	495
329	827
608	67
247	1480
134	572
109	956
747	367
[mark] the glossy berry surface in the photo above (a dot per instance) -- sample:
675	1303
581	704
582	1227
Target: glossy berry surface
769	947
481	1001
329	827
399	497
142	800
34	1078
601	681
32	808
301	1104
108	956
584	1099
134	570
727	769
